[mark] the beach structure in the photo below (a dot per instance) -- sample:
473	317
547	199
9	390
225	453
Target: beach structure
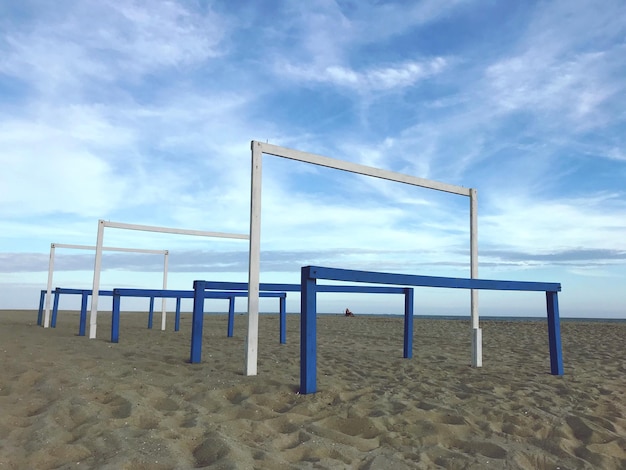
182	294
151	294
308	312
203	289
258	149
84	293
102	224
54	246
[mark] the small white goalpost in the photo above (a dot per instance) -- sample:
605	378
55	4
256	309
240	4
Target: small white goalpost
258	149
53	247
93	315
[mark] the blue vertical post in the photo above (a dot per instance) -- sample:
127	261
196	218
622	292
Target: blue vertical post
151	314
55	309
42	299
197	321
554	334
83	313
308	333
408	323
283	318
115	322
231	316
177	320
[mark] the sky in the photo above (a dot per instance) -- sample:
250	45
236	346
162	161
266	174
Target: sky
143	113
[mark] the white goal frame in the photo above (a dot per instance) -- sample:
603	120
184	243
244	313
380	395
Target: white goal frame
54	246
102	224
258	149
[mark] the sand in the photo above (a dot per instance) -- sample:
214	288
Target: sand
70	402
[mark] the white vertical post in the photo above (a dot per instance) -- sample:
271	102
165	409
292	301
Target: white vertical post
163	300
254	265
93	315
477	336
46	318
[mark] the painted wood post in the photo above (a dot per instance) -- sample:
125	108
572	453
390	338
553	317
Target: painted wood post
177	320
477	334
308	333
231	316
55	308
93	314
42	299
554	333
408	323
254	264
115	321
197	322
83	313
163	299
151	313
46	318
282	308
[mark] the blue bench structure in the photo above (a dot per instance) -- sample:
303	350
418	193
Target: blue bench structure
310	288
84	293
203	288
178	295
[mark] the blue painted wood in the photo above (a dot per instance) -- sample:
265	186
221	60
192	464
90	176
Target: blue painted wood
83	313
282	308
160	293
349	275
310	274
554	333
197	322
408	323
55	309
177	320
220	285
42	299
115	322
231	317
151	313
308	335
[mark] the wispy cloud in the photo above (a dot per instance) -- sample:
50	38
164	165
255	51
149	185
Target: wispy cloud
390	77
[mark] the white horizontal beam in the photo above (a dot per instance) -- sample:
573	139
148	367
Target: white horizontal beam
181	231
358	168
110	248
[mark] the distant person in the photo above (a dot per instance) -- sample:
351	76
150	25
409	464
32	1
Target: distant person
349	313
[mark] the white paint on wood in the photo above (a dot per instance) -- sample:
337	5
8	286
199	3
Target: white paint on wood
477	359
258	149
143	228
53	247
46	318
163	299
360	169
93	314
254	264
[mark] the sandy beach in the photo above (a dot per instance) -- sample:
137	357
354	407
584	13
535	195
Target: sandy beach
70	402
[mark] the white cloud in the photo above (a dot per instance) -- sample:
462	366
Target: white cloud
108	41
547	226
382	78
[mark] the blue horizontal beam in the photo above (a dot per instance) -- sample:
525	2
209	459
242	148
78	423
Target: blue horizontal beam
170	294
348	275
63	290
188	294
212	285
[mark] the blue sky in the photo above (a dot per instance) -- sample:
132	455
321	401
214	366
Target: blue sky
143	112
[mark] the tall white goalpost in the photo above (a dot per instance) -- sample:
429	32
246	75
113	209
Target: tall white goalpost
93	315
258	149
53	247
